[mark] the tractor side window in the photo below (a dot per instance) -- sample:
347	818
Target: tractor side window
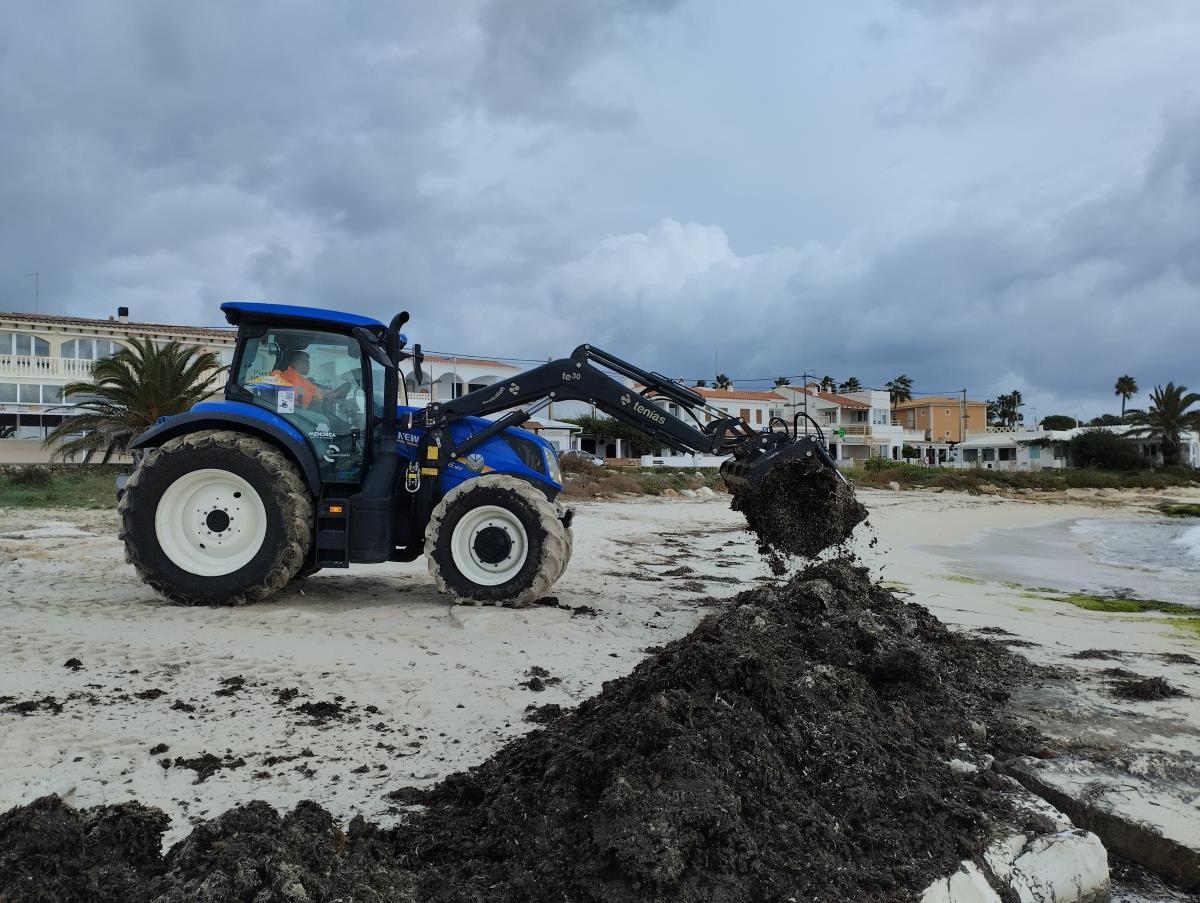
313	380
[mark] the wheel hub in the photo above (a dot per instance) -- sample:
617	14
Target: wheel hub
210	522
492	544
217	520
489	545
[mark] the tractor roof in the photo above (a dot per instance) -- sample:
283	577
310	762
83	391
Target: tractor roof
234	311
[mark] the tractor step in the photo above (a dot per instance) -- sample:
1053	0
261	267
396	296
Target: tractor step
332	545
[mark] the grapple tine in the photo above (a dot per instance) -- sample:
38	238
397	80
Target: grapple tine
752	461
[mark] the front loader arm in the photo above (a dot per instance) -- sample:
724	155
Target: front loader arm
576	378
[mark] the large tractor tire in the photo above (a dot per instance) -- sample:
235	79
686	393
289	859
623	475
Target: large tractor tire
495	539
216	518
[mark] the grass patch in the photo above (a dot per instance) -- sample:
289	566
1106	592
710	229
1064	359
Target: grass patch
1180	510
1116	604
959	578
1190	626
60	486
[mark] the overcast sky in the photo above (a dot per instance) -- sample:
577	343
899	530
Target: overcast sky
994	194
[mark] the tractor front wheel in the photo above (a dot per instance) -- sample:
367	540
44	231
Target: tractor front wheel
497	539
216	518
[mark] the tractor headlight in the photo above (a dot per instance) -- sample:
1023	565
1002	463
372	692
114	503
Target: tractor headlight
552	469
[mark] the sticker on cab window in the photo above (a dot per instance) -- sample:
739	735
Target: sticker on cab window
285	401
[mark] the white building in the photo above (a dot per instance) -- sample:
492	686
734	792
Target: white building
1048	449
449	377
857	425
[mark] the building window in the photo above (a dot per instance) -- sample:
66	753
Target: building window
8	393
758	416
1008	454
29	394
775	412
52	394
88	349
24	345
744	413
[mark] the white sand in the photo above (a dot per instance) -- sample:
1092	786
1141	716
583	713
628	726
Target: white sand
445	680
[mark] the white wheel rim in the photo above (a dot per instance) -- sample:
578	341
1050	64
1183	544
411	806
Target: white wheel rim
462	545
210	522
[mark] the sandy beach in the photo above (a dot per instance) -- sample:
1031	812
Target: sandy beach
352	685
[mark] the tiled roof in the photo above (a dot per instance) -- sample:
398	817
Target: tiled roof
162	328
742	394
840	400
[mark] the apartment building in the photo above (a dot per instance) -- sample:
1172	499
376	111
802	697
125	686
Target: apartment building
941	418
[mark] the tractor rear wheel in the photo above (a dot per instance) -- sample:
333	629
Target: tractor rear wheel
216	518
495	538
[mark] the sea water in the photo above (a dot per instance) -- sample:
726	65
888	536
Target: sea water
1155	558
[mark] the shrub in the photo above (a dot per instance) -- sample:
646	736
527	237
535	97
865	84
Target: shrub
29	477
574	464
1100	448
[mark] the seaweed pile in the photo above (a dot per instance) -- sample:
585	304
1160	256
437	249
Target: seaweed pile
792	747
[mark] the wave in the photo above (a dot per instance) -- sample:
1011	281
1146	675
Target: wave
1190	540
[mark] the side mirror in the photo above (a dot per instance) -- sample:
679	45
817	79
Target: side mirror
418	358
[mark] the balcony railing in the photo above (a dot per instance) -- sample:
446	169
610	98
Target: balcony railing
61	367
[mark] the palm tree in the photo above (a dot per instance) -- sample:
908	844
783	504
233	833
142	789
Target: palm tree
701	383
828	383
1126	387
131	390
782	381
1010	407
851	385
1167	417
900	388
723	382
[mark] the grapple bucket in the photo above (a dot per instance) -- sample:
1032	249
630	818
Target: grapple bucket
792	495
752	461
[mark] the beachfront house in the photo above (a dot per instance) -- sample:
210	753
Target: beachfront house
857	425
1003	449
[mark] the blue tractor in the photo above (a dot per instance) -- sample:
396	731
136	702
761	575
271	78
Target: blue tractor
310	462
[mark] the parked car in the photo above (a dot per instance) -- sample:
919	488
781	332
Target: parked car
578	454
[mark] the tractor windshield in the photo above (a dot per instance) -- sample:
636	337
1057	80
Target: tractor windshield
314	380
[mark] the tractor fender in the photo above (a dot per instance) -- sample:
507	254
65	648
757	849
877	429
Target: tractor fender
232	415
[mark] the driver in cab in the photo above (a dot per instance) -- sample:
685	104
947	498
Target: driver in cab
295	373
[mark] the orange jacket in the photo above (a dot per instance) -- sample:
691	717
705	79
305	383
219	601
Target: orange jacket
306	390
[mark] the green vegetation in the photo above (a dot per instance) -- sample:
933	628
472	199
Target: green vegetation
881	471
900	388
959	578
1170	414
1131	606
1126	387
1106	450
60	486
1180	510
1059	422
129	391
